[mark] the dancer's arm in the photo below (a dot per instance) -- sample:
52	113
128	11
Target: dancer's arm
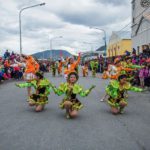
24	85
86	92
60	90
135	89
78	60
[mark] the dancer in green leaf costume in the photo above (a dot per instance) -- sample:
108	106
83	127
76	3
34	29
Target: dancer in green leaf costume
42	86
116	92
71	89
94	67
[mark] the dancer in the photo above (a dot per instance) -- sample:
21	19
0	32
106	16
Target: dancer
117	69
53	67
116	92
31	68
60	65
113	72
42	86
85	69
71	89
94	67
105	74
71	66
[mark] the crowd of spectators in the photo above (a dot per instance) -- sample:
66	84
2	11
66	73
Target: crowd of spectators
9	66
12	66
142	76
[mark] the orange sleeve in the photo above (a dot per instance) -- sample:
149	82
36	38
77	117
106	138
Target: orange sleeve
78	60
128	69
37	66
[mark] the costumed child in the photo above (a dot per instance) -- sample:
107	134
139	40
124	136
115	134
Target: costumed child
71	89
53	67
72	66
105	74
94	67
116	92
60	65
31	67
42	89
85	69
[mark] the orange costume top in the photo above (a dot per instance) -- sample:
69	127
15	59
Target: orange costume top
85	70
60	64
114	71
71	67
105	75
31	65
120	70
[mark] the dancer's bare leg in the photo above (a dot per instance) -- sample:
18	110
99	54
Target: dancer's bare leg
103	98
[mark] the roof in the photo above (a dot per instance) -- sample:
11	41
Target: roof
124	34
119	35
102	48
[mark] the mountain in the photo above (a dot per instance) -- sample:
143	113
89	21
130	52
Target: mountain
55	54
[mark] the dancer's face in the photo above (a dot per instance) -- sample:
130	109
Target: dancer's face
71	60
123	81
73	79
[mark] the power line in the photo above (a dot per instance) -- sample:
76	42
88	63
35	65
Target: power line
134	18
124	27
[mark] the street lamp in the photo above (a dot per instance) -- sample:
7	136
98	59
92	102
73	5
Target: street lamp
104	37
20	21
51	40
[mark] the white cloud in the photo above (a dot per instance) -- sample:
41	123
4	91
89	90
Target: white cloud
70	19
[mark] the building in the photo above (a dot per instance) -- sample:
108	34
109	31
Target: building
119	43
90	55
101	50
86	56
140	24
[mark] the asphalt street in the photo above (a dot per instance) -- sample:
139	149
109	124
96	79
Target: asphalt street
21	128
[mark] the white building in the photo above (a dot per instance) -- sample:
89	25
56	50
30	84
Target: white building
140	24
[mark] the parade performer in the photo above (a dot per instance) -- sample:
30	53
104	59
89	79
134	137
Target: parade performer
71	66
60	65
116	92
113	72
31	68
71	89
53	67
94	67
105	74
116	69
42	89
131	68
85	69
